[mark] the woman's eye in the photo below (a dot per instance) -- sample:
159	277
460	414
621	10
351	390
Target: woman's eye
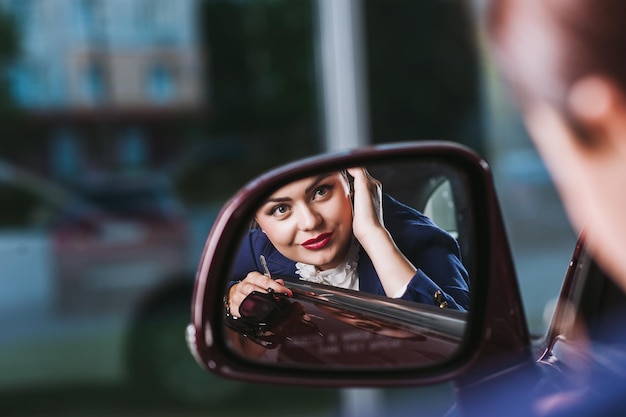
279	210
321	191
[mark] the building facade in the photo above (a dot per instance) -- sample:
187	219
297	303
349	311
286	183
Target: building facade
116	69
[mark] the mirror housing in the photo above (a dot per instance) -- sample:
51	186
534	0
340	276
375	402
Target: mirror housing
496	335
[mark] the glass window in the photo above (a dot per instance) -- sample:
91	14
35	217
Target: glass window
25	85
92	13
155	15
160	83
93	83
22	11
22	208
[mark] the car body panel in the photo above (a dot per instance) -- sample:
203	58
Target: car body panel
345	329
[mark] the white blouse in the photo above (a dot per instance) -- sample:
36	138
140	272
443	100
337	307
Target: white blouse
344	275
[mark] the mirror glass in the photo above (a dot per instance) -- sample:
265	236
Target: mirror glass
367	266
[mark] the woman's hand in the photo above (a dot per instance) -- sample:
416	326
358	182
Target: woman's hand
368	216
393	268
254	281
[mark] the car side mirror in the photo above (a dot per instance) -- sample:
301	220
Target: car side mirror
335	322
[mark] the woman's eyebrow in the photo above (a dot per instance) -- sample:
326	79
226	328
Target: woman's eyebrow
315	182
308	189
277	200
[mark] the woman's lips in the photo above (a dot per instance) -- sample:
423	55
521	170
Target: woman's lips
318	242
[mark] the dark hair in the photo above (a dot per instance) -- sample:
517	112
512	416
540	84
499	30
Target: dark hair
544	46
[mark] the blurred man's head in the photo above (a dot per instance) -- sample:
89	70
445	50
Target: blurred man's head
564	63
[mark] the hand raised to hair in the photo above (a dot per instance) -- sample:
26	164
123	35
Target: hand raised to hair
392	267
367	212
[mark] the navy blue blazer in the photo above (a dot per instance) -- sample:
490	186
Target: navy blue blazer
433	251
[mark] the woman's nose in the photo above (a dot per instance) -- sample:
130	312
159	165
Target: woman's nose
308	219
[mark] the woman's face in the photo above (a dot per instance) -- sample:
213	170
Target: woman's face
310	220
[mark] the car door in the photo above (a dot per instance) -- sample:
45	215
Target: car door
26	264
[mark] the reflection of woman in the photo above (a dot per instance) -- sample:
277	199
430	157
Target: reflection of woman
311	230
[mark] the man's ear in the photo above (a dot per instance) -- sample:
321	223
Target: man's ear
598	105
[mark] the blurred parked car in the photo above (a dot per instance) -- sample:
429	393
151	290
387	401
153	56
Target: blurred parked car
86	271
128	233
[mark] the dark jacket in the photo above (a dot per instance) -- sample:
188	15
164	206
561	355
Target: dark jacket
430	249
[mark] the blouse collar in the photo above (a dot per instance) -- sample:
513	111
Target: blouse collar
344	275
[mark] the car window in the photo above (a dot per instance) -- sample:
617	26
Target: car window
133	201
602	303
440	208
24	209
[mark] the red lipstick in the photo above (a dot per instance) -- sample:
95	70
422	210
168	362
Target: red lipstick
318	242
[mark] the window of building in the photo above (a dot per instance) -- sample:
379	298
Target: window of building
92	14
93	83
160	83
155	14
25	85
22	12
